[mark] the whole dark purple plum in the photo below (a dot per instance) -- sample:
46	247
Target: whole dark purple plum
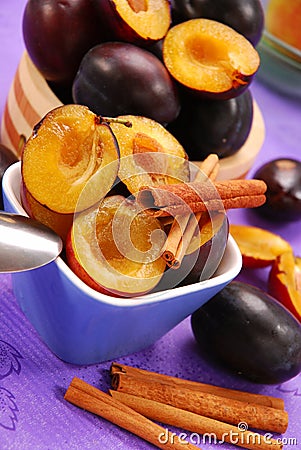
244	16
247	331
117	78
283	196
57	34
213	126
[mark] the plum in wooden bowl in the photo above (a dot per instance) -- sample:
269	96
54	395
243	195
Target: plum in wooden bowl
83	326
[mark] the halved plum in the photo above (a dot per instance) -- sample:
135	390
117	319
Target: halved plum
135	21
210	58
259	247
285	282
71	160
116	249
149	154
58	222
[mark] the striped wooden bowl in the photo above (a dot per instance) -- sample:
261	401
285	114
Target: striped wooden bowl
30	98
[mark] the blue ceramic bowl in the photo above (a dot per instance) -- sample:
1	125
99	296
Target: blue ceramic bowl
82	326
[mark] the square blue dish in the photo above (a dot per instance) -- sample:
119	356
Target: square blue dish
82	326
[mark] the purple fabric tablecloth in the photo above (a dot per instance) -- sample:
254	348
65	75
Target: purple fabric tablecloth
33	413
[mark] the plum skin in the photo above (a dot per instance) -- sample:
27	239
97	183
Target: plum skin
117	78
283	196
209	255
246	17
213	126
58	34
201	264
244	329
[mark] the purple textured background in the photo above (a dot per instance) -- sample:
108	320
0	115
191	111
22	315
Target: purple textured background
33	413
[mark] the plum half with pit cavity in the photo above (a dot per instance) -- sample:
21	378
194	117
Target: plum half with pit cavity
210	58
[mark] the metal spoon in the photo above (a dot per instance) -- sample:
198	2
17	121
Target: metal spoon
25	243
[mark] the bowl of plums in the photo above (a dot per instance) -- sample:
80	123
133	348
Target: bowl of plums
131	135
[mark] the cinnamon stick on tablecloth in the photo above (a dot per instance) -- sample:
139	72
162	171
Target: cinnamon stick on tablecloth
220	432
184	225
194	197
95	401
203	403
179	383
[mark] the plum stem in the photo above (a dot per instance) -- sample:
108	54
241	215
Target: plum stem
100	119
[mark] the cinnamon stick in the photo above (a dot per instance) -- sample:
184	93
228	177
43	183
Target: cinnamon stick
179	383
184	226
218	431
94	400
194	197
203	403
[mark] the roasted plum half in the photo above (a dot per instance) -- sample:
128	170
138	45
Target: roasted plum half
213	126
58	34
118	78
210	58
246	17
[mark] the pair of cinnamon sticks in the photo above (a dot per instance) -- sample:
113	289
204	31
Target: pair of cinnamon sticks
139	397
184	225
186	202
194	197
201	195
104	405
